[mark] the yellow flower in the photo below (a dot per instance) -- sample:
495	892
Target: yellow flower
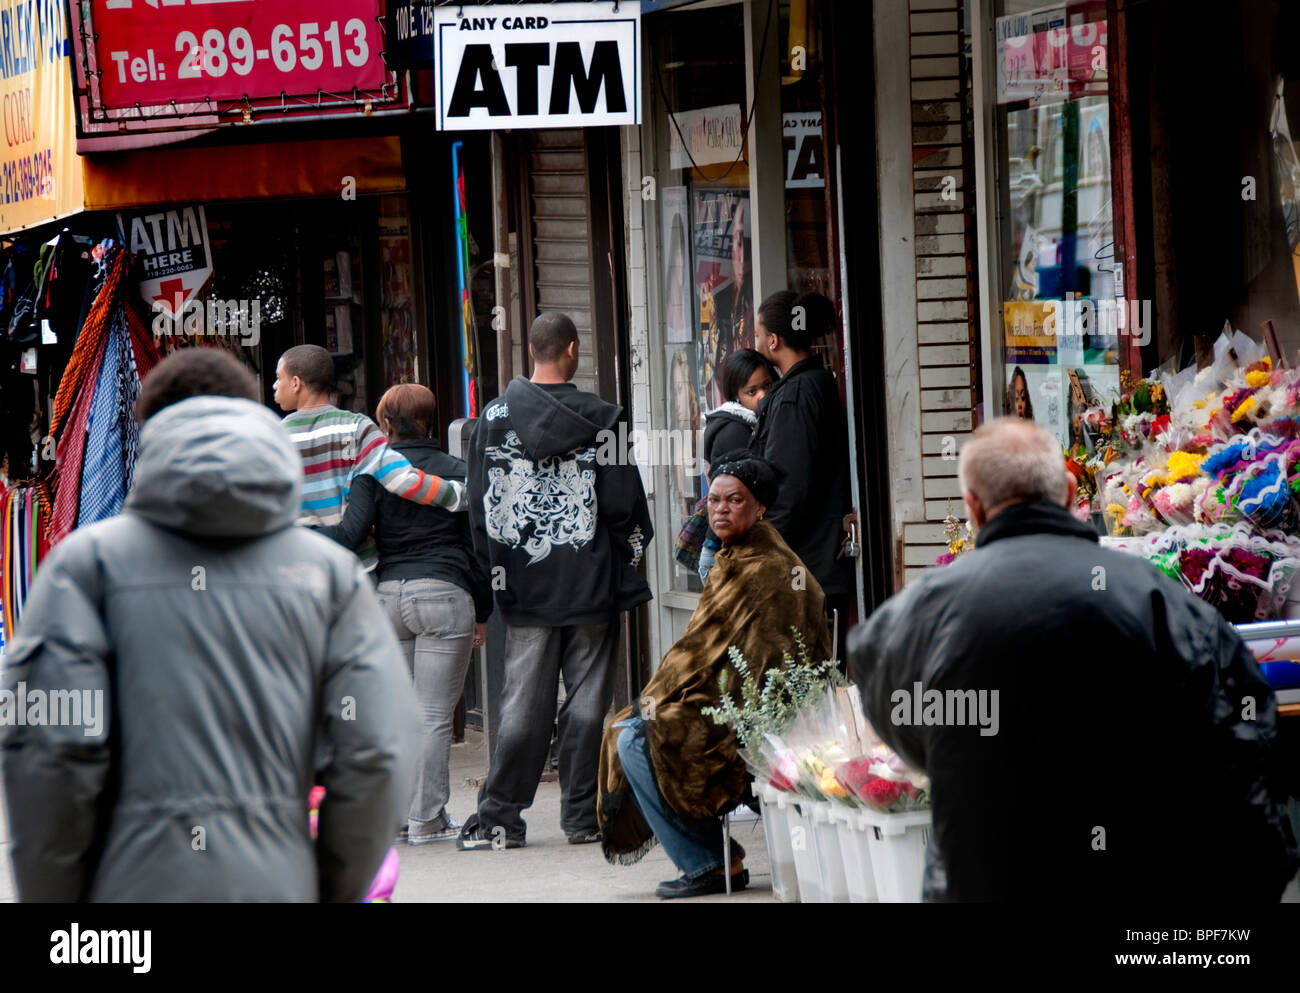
1257	378
1146	492
831	786
1179	466
1245	408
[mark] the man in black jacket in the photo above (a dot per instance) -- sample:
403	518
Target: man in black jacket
1092	731
560	531
802	431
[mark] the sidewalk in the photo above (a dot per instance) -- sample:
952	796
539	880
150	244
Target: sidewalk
549	869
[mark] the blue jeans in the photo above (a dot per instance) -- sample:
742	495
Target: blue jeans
434	621
695	846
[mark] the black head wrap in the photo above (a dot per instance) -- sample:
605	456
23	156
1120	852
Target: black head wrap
760	476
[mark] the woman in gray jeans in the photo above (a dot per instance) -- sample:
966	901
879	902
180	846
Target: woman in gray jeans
436	595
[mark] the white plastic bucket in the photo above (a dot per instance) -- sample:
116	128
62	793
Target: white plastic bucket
856	853
803	845
830	863
776	827
897	843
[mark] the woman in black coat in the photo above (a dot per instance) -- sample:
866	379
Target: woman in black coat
746	378
801	430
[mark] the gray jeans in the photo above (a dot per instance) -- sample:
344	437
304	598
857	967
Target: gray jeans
534	659
434	621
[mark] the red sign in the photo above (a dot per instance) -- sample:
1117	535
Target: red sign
153	52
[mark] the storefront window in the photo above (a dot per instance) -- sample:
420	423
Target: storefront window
707	310
808	210
1057	325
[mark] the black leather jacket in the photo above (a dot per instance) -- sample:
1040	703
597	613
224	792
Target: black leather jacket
1125	758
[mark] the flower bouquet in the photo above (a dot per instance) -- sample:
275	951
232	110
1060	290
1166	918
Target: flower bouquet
761	712
883	782
960	535
1246	575
816	742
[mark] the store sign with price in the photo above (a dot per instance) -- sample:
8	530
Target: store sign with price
153	52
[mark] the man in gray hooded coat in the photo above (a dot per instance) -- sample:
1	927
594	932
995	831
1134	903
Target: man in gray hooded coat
222	645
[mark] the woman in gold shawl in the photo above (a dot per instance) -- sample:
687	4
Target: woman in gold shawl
667	772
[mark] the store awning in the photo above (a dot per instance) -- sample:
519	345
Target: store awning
655	6
243	172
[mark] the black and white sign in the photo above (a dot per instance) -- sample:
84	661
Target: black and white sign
538	65
171	252
802	135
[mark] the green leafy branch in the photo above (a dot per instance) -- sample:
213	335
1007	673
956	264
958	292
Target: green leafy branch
770	708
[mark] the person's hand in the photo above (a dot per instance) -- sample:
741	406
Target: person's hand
480	633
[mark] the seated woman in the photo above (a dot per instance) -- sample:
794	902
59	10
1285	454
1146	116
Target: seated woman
666	770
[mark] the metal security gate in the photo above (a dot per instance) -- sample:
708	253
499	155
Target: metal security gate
570	262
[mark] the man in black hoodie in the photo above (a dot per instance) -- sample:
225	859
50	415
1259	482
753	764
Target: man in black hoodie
560	532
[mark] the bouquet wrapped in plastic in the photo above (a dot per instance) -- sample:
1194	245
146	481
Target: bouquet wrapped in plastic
883	782
760	712
1246	575
818	741
879	779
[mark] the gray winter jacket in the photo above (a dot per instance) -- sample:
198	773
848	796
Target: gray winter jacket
223	645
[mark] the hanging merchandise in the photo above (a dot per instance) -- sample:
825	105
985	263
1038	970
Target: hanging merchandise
23	515
94	423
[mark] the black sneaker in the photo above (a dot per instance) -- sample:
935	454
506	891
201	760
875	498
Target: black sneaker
472	838
584	838
706	885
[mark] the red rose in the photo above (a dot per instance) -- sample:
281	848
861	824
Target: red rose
881	793
779	782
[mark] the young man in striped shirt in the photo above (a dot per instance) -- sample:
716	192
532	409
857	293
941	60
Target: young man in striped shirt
339	445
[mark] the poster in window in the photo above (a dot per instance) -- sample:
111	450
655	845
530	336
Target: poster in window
1093	390
1094	126
720	221
679	325
1034	393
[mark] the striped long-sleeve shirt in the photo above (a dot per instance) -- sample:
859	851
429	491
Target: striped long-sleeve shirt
339	445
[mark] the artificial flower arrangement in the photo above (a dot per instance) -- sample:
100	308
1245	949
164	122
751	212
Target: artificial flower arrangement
802	731
1202	472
